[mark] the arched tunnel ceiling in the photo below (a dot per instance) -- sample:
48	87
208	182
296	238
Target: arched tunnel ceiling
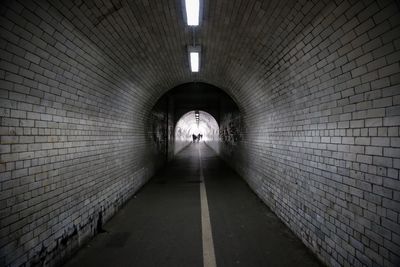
317	84
198	96
143	43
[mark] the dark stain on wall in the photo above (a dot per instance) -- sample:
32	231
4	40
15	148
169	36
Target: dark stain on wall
69	242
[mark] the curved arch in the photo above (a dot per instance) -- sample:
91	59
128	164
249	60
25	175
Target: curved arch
222	89
185	98
199	96
188	125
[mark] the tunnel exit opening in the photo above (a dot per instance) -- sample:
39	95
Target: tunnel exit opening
196	126
173	121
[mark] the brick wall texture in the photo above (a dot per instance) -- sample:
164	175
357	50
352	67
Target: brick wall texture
321	131
74	145
317	84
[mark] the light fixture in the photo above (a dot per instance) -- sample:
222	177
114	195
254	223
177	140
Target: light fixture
192	12
194	58
194	61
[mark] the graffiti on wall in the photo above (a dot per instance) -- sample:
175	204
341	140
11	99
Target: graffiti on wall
230	131
158	132
182	134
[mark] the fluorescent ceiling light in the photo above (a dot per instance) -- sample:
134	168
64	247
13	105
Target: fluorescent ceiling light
192	12
194	61
194	57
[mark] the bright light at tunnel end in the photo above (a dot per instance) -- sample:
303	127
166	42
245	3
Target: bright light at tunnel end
192	12
196	122
194	61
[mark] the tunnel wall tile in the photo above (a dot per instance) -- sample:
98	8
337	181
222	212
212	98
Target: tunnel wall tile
72	152
320	131
317	83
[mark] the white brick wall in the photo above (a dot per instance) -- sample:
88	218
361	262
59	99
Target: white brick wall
70	147
328	128
317	83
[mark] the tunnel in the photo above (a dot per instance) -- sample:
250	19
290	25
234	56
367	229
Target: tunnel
196	126
297	102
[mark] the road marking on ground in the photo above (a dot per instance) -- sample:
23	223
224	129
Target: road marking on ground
208	243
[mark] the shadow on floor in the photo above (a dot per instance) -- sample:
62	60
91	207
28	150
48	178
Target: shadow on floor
161	225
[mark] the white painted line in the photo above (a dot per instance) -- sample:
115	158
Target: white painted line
208	243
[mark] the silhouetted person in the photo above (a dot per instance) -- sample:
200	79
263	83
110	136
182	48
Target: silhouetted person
194	138
198	137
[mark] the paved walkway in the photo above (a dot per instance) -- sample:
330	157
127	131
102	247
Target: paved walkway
178	220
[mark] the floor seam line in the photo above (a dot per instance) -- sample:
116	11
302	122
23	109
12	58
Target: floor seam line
207	238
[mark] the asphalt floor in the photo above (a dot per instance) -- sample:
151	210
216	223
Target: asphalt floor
162	224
